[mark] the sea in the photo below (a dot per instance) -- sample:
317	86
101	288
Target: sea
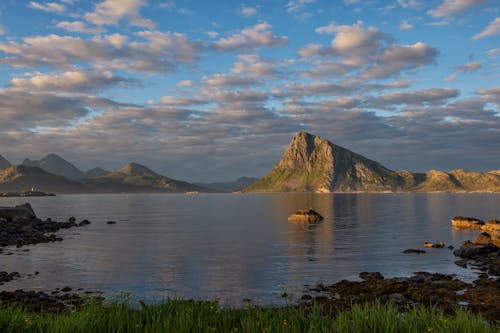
239	248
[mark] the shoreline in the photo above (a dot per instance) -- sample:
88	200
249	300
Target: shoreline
423	289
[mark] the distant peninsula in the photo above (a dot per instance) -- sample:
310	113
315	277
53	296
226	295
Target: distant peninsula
313	164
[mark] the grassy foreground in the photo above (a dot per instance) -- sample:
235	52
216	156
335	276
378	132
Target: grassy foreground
191	316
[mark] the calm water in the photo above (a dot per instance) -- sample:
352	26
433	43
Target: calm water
240	246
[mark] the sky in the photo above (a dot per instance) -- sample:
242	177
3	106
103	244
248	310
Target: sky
215	90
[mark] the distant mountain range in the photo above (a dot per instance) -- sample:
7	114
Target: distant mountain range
309	164
313	164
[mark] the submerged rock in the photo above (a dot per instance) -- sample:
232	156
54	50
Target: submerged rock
306	215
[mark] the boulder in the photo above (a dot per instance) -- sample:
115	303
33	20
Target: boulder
483	238
306	215
466	222
491	225
17	213
434	245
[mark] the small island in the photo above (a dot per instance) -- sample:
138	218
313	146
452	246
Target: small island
27	193
306	215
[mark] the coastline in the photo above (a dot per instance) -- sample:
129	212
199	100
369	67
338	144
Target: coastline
405	292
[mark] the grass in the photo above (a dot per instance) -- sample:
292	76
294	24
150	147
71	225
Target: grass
194	316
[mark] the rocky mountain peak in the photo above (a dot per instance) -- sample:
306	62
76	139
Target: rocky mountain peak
56	165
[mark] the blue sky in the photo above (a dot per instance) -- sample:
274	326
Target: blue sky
214	90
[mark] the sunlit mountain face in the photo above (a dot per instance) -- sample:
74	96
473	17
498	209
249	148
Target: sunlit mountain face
212	91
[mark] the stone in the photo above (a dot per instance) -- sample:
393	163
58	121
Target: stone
483	238
467	222
491	225
84	222
434	245
417	251
461	263
111	222
306	215
18	213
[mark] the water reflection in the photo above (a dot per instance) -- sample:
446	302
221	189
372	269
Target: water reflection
240	246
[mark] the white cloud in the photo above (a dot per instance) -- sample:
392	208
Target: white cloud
327	29
254	66
111	12
158	52
184	83
493	53
405	26
51	7
492	29
212	34
248	11
297	5
75	81
396	58
257	36
229	81
78	26
409	4
2	30
450	78
470	67
453	7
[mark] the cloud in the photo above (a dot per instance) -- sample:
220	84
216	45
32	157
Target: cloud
418	97
184	83
453	7
409	4
2	30
248	11
253	66
492	29
450	78
230	81
51	7
405	26
71	81
78	26
212	34
111	12
470	67
156	52
257	36
297	5
396	58
354	44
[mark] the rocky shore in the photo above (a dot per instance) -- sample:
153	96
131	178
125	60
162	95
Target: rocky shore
428	289
20	226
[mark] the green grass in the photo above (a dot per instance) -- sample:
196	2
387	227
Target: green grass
191	316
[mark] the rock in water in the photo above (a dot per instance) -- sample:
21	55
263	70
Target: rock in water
483	238
466	223
306	215
20	212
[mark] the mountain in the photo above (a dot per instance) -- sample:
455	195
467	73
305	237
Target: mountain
96	172
56	165
230	186
142	179
21	177
4	164
313	164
